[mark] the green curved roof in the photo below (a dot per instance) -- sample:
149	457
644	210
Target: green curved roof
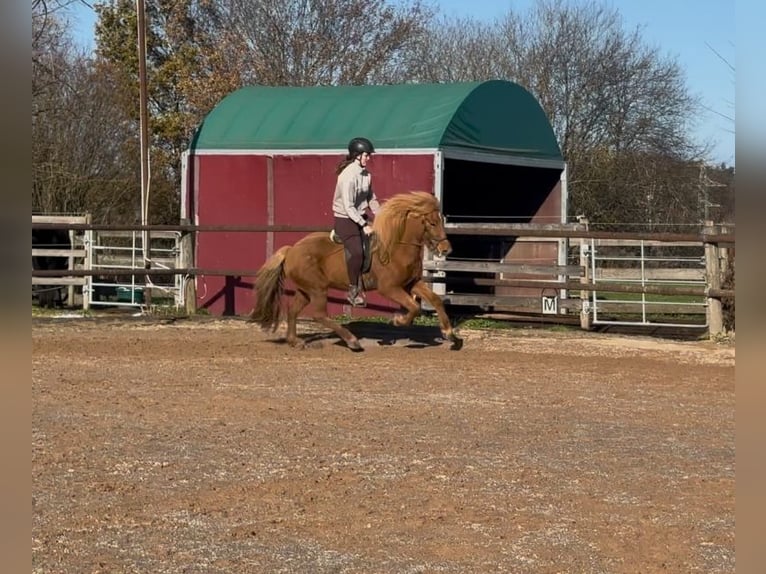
495	116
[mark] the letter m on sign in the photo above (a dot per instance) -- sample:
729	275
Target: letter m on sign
550	304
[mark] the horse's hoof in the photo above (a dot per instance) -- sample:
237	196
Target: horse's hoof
399	320
355	346
457	343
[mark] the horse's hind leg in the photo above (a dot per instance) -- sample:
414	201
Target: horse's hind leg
319	300
399	295
299	302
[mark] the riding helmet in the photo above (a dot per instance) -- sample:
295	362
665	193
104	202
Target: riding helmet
357	146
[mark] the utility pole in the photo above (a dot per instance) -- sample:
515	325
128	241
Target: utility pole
144	135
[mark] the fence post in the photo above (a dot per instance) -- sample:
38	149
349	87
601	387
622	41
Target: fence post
70	266
585	317
187	261
146	242
713	280
87	288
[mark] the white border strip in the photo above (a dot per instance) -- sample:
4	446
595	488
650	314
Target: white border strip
382	151
447	153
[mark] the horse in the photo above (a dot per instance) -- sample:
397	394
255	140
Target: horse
404	226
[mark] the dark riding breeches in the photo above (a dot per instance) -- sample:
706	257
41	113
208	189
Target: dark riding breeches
351	234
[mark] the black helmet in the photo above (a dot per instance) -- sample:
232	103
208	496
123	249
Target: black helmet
357	146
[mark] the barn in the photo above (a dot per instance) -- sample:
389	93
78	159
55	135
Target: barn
267	156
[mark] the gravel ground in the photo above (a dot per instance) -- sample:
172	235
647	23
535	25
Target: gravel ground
209	446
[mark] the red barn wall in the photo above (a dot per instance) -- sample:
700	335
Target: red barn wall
234	190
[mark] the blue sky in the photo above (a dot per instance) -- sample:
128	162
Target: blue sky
700	34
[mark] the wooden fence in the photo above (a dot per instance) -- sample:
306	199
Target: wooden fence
45	250
568	283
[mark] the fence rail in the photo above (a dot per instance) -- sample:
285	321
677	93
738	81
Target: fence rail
554	231
580	278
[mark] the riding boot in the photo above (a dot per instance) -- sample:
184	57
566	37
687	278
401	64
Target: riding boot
355	296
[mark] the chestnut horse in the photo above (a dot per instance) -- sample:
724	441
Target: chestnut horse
405	225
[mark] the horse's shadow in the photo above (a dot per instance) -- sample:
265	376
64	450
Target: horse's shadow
384	334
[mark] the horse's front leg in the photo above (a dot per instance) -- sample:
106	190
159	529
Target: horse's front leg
422	290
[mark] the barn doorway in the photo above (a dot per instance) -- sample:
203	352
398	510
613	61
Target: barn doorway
498	192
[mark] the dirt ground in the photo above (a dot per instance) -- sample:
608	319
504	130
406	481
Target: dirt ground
208	446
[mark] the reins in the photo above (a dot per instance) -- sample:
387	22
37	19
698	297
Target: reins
431	241
385	256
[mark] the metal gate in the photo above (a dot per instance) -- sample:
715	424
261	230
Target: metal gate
124	250
645	263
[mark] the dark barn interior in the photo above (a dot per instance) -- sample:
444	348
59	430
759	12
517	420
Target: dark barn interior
478	192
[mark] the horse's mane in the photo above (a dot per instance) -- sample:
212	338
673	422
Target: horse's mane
392	216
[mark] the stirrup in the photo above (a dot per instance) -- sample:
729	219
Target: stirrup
355	298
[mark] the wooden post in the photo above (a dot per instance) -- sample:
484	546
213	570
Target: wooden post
187	261
723	254
563	252
87	288
713	280
146	243
70	266
585	316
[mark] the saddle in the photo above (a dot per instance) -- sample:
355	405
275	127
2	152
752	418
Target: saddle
366	249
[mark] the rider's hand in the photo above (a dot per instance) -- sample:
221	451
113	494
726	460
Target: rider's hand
367	229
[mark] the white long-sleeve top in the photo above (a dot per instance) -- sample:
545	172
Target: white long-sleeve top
354	194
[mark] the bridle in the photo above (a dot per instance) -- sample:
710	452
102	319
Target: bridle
433	242
429	240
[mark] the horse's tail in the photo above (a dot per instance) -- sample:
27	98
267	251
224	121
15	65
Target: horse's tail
268	289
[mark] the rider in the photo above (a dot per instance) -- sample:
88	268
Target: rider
353	196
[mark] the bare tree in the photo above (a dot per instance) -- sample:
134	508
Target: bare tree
620	109
600	85
325	42
458	50
78	147
48	45
78	133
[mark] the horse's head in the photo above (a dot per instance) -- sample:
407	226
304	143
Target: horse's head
414	219
435	236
